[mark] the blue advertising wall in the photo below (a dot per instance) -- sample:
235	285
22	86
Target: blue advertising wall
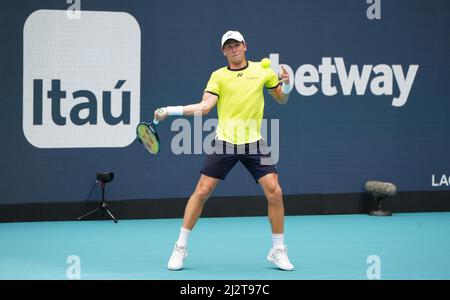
328	143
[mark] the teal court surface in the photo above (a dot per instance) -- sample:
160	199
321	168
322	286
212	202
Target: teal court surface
404	246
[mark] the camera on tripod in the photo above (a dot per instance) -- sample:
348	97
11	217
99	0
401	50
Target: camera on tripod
103	178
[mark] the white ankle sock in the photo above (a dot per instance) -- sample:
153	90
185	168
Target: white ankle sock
277	239
183	237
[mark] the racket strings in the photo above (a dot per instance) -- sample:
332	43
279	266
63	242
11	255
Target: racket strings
148	139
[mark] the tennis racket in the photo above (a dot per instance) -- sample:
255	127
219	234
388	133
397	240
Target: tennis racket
147	134
148	137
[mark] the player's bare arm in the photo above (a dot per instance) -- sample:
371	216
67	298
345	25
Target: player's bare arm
277	93
203	107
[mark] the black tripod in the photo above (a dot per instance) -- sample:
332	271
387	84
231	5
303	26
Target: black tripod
103	178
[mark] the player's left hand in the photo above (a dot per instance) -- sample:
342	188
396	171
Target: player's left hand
284	76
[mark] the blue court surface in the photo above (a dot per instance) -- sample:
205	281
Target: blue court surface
404	246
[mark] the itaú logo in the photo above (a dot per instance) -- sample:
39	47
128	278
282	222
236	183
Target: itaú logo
83	111
333	76
81	82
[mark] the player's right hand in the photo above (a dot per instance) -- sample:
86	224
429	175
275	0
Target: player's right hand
161	114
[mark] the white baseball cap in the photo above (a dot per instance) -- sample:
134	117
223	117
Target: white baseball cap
232	35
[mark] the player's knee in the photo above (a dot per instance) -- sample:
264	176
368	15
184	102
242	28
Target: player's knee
275	193
278	193
203	192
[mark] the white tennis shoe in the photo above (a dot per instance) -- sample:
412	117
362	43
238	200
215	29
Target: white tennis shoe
177	258
278	256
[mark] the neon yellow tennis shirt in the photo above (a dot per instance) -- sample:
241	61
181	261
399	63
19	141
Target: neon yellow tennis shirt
240	107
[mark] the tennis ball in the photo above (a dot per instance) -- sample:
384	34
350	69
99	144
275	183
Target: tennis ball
265	63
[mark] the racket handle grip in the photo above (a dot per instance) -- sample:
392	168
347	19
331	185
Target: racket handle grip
155	121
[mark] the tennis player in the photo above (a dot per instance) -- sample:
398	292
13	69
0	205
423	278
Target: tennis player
238	92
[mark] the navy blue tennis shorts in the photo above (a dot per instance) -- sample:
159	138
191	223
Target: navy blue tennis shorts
254	156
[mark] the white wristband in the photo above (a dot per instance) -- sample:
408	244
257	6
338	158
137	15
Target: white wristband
286	88
175	110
